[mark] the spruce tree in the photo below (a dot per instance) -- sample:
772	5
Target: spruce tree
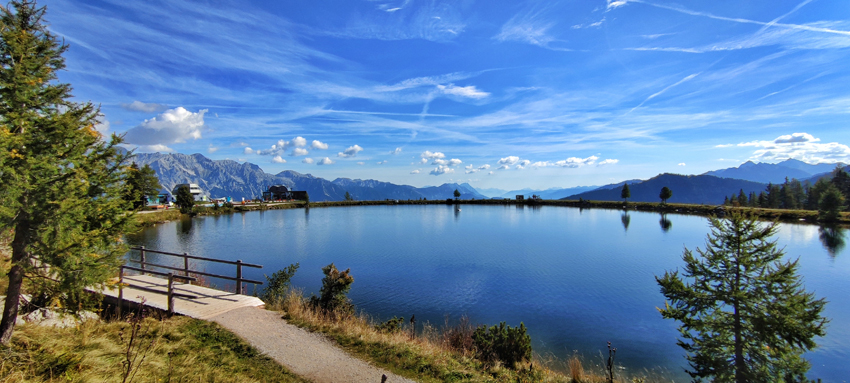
62	181
626	193
184	199
745	314
665	194
142	183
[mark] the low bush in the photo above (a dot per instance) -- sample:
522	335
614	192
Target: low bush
335	286
391	326
502	343
277	286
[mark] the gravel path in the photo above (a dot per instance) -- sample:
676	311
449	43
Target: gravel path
304	353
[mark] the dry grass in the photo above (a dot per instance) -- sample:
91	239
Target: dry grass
435	354
183	350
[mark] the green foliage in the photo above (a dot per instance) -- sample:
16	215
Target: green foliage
457	194
141	183
502	343
666	193
744	315
62	182
626	193
184	199
335	285
348	196
277	286
830	204
391	326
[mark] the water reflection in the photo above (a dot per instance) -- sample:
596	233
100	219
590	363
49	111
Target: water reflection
665	223
307	215
832	238
626	219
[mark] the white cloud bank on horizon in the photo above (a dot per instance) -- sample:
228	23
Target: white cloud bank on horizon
798	146
172	126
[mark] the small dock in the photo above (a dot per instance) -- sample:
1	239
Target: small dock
164	288
189	300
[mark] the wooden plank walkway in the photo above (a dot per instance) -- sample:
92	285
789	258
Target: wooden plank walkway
206	304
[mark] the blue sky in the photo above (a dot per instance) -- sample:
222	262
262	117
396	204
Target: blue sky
503	94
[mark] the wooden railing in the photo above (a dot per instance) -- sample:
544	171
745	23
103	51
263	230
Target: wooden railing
171	293
143	264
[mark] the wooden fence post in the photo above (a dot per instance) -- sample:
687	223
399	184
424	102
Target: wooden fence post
170	293
186	264
238	276
120	289
143	257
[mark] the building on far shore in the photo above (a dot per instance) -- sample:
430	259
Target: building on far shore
196	191
282	193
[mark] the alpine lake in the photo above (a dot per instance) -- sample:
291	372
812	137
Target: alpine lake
577	278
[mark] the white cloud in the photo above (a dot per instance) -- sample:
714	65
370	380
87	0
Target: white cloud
102	127
350	152
299	152
612	4
415	171
278	160
503	167
455	162
442	169
319	145
326	161
440	162
212	149
609	161
307	160
139	106
381	162
799	146
172	126
248	150
681	164
520	167
491	173
423	161
484	167
724	146
463	91
154	148
575	162
510	160
429	155
396	151
361	163
524	162
299	142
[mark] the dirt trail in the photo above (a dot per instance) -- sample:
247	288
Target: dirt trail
304	353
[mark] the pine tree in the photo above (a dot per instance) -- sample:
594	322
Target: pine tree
626	193
830	204
184	199
666	193
142	183
62	182
745	315
348	197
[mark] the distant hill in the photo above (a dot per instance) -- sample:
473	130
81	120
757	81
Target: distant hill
227	178
775	173
552	193
702	189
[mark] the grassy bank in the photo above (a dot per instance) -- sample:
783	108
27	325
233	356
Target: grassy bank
437	354
178	349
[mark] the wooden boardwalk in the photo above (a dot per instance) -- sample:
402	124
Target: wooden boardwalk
189	300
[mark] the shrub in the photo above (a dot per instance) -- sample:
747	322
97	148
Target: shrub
335	285
277	286
391	326
502	343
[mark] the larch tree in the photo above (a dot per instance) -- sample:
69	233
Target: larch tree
745	316
142	183
63	182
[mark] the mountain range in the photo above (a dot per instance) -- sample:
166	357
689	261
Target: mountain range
227	178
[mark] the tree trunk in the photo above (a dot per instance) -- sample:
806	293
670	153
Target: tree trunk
737	327
16	278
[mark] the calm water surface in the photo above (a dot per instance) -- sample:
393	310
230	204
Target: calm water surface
576	278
